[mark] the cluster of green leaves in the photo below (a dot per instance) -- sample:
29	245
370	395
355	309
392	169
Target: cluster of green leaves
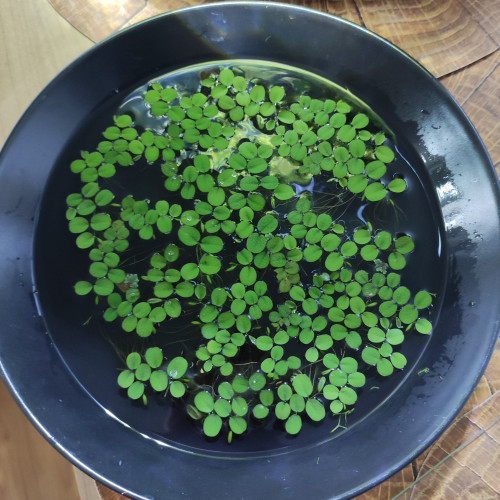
283	291
152	370
327	136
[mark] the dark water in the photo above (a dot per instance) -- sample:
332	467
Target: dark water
92	347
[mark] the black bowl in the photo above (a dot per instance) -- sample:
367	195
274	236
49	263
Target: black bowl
52	364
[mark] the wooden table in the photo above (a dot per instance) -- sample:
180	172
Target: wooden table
457	40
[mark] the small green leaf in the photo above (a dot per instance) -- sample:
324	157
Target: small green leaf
257	381
356	379
177	389
408	314
334	261
376	169
103	286
422	299
264	343
248	275
370	355
423	325
125	379
398	360
310	306
330	242
375	191
143	372
276	94
315	410
133	360
383	240
293	424
188	235
227	177
238	425
267	224
258	93
397	185
284	192
83	287
397	261
312	253
302	385
282	410
404	244
347	395
297	293
204	402
209	264
85	240
384	153
384	367
158	380
154	357
349	248
285	116
172	308
212	425
136	390
360	121
243	324
177	367
395	336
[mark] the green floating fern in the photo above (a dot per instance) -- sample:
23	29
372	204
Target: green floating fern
293	307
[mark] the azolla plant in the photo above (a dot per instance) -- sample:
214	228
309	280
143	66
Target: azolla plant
290	305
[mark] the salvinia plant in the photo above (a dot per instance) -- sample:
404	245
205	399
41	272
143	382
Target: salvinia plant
289	305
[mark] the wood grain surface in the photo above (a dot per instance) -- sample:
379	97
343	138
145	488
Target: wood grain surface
30	469
30	58
457	40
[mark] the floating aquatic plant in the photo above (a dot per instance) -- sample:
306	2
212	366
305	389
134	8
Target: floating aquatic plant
291	306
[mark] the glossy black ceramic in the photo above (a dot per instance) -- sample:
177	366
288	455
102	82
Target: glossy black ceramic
52	365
